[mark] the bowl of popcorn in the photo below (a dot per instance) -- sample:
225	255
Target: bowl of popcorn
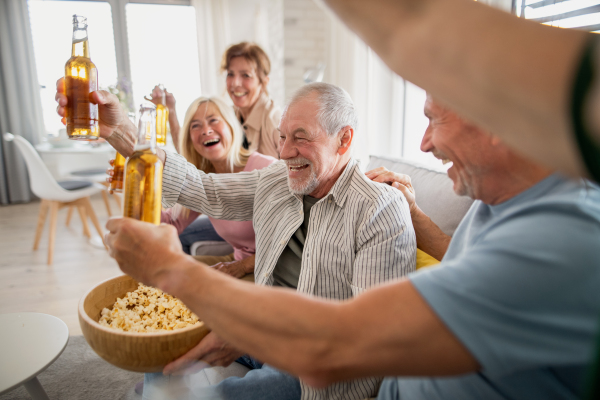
136	327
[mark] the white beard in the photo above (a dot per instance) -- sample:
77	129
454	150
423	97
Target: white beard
305	186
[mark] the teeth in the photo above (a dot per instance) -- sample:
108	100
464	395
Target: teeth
445	161
296	168
239	94
211	141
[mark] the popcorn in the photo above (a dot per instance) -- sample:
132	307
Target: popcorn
148	309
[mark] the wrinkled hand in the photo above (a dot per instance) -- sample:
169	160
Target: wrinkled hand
401	182
237	269
110	112
211	351
157	97
143	250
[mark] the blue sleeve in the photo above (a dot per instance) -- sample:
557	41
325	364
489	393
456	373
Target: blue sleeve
525	295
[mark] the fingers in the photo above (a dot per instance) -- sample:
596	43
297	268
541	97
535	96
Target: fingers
60	85
207	345
376	171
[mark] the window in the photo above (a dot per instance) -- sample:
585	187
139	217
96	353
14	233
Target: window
52	31
163	49
580	14
161	39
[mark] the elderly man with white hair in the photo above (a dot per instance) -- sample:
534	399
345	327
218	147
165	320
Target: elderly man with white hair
322	228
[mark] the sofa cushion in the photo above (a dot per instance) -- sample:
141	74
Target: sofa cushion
433	190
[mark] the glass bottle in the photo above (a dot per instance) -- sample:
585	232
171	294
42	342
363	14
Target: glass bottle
81	78
143	172
162	117
119	166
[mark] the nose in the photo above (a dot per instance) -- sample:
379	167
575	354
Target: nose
287	150
236	80
426	143
206	130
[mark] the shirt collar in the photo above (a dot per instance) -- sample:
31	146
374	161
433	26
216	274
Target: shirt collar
340	188
255	118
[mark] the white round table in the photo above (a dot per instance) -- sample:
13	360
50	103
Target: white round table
29	343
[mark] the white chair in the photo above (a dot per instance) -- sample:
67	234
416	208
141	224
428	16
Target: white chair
96	175
54	196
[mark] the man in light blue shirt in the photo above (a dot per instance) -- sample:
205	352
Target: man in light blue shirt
519	282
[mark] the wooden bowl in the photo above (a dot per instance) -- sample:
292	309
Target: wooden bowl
133	351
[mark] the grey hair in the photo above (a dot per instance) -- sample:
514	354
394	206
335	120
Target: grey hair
336	108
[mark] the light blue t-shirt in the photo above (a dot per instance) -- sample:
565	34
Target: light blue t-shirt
520	288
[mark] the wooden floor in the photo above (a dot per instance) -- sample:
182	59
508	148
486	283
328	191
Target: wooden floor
28	284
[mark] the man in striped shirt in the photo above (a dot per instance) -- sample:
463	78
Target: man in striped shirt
322	228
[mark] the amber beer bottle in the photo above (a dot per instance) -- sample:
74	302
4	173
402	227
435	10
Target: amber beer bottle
162	117
81	78
119	168
143	172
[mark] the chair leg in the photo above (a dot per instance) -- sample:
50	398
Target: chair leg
82	214
52	232
69	214
41	222
105	198
92	214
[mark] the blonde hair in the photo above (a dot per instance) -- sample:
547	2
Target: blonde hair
237	156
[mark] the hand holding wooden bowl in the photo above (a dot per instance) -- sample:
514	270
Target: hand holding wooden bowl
133	351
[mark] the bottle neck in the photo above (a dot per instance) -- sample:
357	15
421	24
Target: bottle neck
146	130
81	46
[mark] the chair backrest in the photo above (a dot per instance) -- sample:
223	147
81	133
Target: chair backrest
43	184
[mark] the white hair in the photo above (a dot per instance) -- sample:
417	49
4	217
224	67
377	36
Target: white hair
336	108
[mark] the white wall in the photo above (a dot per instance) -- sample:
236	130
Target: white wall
306	34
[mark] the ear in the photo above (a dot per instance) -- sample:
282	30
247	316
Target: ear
345	136
265	81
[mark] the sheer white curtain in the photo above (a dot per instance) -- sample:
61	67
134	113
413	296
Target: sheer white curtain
212	24
259	21
20	107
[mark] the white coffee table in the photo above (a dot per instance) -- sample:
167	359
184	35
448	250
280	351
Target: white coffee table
29	343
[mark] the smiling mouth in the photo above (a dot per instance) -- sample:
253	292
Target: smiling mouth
211	142
445	161
294	168
239	94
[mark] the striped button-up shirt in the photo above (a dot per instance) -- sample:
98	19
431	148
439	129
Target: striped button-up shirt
359	235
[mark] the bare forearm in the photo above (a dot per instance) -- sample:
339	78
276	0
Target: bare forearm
380	333
275	325
510	76
430	237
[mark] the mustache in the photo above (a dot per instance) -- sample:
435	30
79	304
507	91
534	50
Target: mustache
297	161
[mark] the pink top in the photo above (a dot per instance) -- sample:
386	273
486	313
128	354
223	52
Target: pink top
238	234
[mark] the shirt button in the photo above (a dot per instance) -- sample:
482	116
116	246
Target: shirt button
330	200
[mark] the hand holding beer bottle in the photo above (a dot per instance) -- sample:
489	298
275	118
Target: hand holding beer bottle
143	173
81	78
